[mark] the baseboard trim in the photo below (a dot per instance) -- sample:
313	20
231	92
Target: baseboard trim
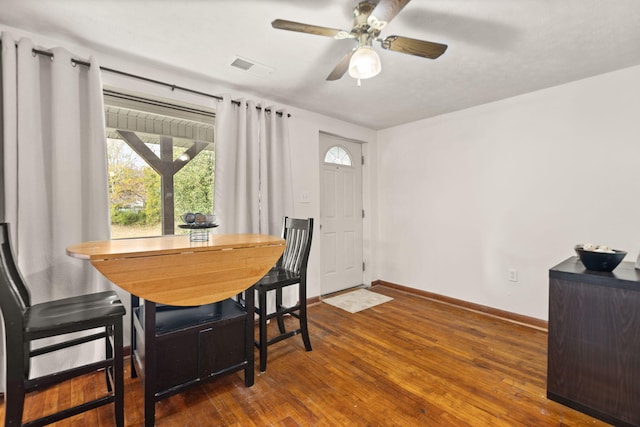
531	322
313	300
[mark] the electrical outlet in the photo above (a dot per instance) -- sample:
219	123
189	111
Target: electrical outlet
513	275
305	197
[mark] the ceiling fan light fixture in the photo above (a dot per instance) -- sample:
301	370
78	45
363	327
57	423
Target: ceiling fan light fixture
364	63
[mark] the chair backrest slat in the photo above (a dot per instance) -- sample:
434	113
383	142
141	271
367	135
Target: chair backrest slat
14	295
297	233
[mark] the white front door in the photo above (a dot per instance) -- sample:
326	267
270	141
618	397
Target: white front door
340	213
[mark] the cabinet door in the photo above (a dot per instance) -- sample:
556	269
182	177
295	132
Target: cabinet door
594	347
221	347
176	359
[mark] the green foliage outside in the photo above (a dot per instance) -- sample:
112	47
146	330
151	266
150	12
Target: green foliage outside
153	201
193	186
126	191
135	192
127	217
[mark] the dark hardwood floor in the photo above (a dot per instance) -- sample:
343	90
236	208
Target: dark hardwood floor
408	362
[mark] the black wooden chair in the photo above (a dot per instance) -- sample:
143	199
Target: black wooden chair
291	269
25	324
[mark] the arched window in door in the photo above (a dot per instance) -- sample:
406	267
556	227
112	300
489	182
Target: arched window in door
337	155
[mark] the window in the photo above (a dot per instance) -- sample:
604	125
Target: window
338	156
160	163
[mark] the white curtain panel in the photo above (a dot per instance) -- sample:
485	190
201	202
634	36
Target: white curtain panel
55	175
237	182
276	182
253	185
253	181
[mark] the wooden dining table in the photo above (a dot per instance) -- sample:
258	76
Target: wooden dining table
175	271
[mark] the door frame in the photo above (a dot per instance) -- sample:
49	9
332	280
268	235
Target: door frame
367	221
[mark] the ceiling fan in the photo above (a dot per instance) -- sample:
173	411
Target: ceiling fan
369	19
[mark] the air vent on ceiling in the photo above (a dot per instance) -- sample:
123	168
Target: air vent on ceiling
251	66
242	64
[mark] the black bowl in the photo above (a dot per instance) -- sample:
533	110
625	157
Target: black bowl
600	261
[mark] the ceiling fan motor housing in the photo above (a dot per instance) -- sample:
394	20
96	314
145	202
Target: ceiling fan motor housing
361	24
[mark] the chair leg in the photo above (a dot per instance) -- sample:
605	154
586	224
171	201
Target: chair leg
17	371
14	404
108	351
303	327
118	373
262	296
135	302
134	373
278	309
304	330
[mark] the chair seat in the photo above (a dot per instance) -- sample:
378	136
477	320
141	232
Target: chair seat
72	314
278	277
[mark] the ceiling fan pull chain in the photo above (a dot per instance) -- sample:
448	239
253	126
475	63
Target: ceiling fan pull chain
359	83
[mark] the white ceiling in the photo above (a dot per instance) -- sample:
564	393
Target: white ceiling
497	48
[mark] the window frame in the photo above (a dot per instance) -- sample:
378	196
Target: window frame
130	114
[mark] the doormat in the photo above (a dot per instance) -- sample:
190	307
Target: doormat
356	301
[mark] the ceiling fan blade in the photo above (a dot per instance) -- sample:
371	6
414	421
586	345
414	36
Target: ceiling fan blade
282	24
386	10
422	48
342	67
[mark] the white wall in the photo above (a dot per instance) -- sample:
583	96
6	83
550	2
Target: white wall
464	197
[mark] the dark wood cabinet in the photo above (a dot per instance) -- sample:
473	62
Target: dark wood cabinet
174	348
594	341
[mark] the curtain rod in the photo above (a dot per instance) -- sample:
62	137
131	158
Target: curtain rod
146	79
